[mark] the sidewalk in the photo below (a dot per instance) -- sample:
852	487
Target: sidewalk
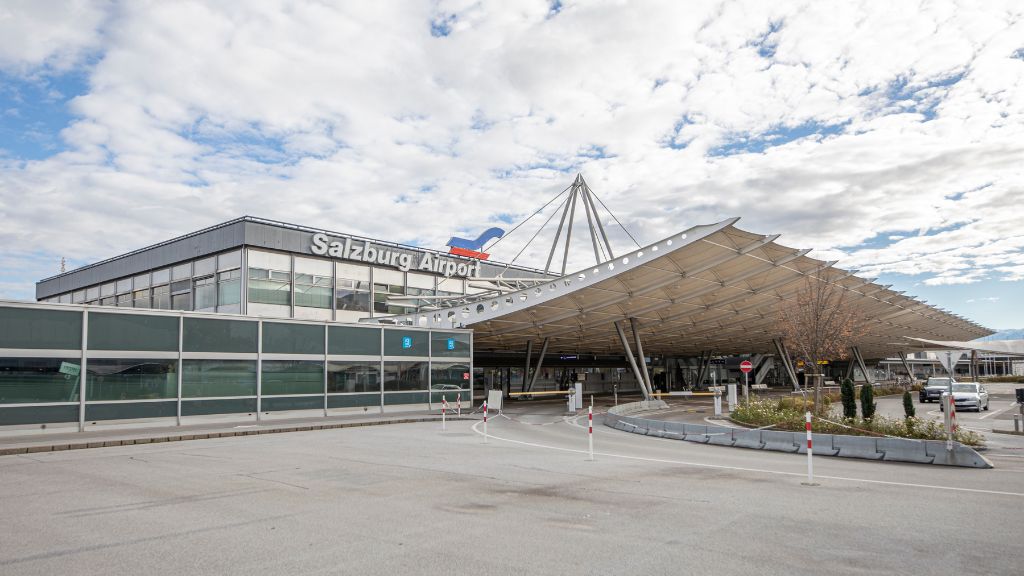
55	441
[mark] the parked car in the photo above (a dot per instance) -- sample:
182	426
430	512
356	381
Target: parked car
969	396
934	388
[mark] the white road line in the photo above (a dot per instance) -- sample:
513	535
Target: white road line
998	411
742	469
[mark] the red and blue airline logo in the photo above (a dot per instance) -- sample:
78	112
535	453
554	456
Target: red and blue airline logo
473	248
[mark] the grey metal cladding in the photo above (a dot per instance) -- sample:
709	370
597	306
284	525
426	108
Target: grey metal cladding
245	231
205	242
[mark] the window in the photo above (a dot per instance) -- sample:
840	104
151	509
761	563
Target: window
162	297
352	295
141	298
388	283
353	377
405	343
39	380
124	300
288	338
131	379
162	276
78	297
182	271
93	293
111	301
111	331
401	376
107	289
351	341
141	281
65	298
206	294
229	288
181	301
284	377
204	267
445	377
313	282
450	344
215	378
270	286
124	285
219	335
229	260
46	329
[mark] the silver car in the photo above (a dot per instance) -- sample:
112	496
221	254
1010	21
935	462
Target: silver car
968	396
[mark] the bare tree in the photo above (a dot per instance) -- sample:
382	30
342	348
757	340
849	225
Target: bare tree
820	324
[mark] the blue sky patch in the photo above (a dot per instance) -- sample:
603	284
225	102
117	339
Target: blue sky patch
441	26
775	137
33	111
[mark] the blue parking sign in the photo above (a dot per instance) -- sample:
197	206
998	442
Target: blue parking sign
406	342
451	343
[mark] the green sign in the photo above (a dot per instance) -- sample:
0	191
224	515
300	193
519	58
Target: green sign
70	369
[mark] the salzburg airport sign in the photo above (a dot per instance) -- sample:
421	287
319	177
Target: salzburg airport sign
370	253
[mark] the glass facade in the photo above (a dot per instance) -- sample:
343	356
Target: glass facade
135	363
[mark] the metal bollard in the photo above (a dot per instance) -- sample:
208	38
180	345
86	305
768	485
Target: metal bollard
1016	423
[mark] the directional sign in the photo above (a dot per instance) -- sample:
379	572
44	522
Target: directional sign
746	366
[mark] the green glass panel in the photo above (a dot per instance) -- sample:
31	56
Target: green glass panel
131	410
37	415
206	378
451	344
133	332
40	329
353	376
299	403
203	407
215	335
283	377
353	400
353	341
406	343
400	376
131	379
281	338
39	380
449	376
405	398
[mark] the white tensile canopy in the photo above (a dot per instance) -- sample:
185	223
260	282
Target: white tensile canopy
713	288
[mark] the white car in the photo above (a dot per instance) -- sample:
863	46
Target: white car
968	396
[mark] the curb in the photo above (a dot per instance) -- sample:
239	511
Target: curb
207	435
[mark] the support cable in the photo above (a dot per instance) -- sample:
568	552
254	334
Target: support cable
539	210
615	218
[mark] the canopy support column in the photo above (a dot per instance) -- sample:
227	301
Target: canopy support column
702	368
526	371
787	363
860	363
906	365
632	362
640	354
540	362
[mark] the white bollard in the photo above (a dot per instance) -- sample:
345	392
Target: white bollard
444	410
718	403
810	444
733	401
458	404
485	421
590	429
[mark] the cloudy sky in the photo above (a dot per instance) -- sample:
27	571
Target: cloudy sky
887	135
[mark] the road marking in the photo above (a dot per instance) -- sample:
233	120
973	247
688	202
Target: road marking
743	469
998	411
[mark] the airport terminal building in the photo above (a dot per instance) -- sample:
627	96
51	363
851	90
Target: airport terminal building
256	319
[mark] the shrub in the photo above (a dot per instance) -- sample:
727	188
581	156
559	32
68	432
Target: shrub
867	402
849	395
789	416
908	404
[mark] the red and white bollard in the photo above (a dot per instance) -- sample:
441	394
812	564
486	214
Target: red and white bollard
458	404
485	421
810	450
444	411
590	431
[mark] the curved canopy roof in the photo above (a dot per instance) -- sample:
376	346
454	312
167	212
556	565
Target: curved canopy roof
1008	347
711	288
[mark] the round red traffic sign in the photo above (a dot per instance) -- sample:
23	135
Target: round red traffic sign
746	366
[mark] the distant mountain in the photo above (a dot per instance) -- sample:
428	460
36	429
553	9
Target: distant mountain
1012	334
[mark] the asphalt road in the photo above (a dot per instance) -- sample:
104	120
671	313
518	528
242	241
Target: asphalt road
411	499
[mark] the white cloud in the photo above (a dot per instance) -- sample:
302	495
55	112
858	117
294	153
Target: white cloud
354	117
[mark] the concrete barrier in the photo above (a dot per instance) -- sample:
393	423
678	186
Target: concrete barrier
900	450
864	447
747	439
780	441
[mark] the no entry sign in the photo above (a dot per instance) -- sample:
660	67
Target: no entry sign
746	366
